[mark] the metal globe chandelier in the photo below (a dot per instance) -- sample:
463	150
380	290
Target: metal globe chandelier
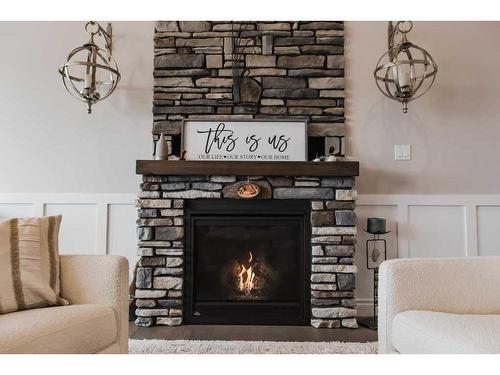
406	71
90	73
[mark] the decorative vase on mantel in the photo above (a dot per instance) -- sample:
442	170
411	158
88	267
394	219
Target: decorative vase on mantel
162	148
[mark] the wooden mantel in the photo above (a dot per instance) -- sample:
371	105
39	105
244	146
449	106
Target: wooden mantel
247	168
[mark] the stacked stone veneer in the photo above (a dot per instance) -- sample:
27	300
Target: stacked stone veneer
160	277
299	67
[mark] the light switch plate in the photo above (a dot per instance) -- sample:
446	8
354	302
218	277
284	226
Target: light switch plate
402	152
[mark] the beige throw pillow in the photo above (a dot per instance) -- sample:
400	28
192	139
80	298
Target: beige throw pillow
29	263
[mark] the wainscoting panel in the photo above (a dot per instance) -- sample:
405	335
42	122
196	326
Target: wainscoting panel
430	226
121	232
436	231
488	230
420	225
92	223
78	231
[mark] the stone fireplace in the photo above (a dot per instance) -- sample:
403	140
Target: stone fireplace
211	257
284	256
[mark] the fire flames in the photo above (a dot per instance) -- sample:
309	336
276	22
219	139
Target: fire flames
246	277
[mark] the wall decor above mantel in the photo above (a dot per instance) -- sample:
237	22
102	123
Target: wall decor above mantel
271	140
283	70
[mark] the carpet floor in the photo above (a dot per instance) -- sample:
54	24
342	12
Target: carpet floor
248	347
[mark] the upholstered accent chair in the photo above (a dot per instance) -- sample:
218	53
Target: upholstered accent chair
439	305
95	321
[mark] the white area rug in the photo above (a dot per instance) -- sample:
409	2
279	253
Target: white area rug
248	347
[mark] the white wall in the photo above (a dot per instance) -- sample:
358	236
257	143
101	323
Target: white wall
437	204
54	158
48	142
57	159
454	128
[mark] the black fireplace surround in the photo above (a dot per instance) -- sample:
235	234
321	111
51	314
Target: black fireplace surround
247	262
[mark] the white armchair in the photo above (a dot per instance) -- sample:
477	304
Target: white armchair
96	321
439	305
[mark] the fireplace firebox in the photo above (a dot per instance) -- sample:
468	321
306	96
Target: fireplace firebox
247	262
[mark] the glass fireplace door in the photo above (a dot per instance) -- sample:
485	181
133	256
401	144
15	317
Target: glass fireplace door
246	269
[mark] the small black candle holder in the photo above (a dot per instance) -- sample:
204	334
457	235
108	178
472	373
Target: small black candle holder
375	243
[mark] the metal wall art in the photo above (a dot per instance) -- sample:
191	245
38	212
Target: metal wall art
246	90
90	73
406	71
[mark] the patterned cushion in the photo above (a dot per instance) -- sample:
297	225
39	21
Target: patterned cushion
29	263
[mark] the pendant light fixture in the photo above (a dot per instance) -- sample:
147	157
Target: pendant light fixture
90	73
406	71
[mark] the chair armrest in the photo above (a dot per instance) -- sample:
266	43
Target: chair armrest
468	285
98	279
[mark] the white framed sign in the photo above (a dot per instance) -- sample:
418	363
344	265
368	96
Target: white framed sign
245	140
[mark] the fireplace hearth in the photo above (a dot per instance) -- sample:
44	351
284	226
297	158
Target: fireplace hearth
246	262
209	256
